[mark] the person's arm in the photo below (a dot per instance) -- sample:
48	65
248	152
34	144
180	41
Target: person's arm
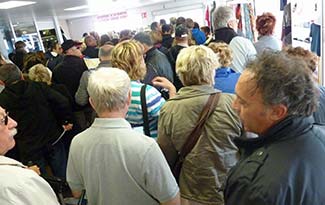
175	201
81	95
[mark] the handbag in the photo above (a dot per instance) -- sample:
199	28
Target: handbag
195	134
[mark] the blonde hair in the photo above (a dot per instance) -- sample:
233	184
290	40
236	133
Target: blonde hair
127	55
40	73
223	51
196	65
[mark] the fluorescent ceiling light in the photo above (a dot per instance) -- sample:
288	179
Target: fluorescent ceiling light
76	8
14	4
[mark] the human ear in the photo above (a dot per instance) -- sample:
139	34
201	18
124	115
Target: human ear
278	112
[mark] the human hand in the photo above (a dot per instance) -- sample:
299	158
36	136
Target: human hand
67	127
165	83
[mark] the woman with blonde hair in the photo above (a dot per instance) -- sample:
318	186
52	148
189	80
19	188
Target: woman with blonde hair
225	77
128	56
205	168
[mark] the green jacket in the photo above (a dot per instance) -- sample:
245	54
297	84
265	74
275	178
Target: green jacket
205	167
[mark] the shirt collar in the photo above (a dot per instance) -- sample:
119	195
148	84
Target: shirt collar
111	123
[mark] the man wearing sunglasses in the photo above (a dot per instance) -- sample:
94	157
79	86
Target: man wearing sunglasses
19	185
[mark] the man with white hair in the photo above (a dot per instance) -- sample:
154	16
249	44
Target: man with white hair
225	25
19	185
112	162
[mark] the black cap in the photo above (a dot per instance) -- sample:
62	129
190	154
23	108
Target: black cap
69	44
165	28
181	31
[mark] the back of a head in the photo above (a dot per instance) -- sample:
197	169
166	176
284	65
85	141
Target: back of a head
206	29
104	38
143	38
154	26
195	65
105	51
196	25
30	60
125	34
265	24
224	53
180	20
9	73
108	89
20	45
222	15
128	56
284	80
40	73
189	23
309	57
162	22
166	28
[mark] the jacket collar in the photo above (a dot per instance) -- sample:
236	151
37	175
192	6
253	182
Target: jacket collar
194	91
150	53
290	127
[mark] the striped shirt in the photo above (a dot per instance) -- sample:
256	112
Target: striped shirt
154	103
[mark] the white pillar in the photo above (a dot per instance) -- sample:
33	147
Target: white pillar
57	28
38	33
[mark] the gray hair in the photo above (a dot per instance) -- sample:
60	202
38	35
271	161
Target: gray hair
108	89
9	73
143	38
222	16
105	51
284	80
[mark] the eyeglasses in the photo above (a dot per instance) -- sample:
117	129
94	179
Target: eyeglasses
5	119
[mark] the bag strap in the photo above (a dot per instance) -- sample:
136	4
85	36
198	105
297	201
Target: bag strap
194	136
144	110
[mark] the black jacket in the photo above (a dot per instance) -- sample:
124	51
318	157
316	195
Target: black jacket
157	65
224	34
172	56
69	73
283	167
40	113
167	41
91	52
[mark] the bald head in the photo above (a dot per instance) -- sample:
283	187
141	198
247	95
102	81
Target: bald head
104	53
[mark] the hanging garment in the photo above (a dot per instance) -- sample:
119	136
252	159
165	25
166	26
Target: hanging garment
315	38
207	16
286	26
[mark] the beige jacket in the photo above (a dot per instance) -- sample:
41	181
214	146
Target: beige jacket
205	167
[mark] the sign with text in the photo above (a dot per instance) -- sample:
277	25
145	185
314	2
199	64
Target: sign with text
113	16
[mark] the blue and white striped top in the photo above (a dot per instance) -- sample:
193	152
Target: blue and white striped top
154	103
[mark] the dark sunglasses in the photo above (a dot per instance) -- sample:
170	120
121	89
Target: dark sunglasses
5	119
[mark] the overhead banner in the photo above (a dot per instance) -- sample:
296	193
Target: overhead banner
112	16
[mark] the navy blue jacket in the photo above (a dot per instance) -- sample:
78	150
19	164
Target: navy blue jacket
286	166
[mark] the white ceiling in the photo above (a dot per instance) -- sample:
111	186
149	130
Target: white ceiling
47	8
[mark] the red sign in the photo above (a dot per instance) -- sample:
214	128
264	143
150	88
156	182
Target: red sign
144	15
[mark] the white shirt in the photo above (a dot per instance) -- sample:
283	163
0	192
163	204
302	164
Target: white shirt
21	186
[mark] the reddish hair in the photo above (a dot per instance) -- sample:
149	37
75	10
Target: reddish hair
265	24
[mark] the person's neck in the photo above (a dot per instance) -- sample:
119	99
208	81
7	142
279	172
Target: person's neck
113	114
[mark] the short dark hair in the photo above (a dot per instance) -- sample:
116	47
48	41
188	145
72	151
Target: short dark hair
166	28
9	73
143	38
284	80
20	45
154	26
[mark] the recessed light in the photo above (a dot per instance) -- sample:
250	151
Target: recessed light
76	8
14	4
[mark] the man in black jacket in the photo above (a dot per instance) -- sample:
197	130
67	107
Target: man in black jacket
284	165
42	115
156	62
69	73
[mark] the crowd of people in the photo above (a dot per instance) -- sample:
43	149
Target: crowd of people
243	120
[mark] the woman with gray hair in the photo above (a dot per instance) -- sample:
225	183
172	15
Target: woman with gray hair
205	168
